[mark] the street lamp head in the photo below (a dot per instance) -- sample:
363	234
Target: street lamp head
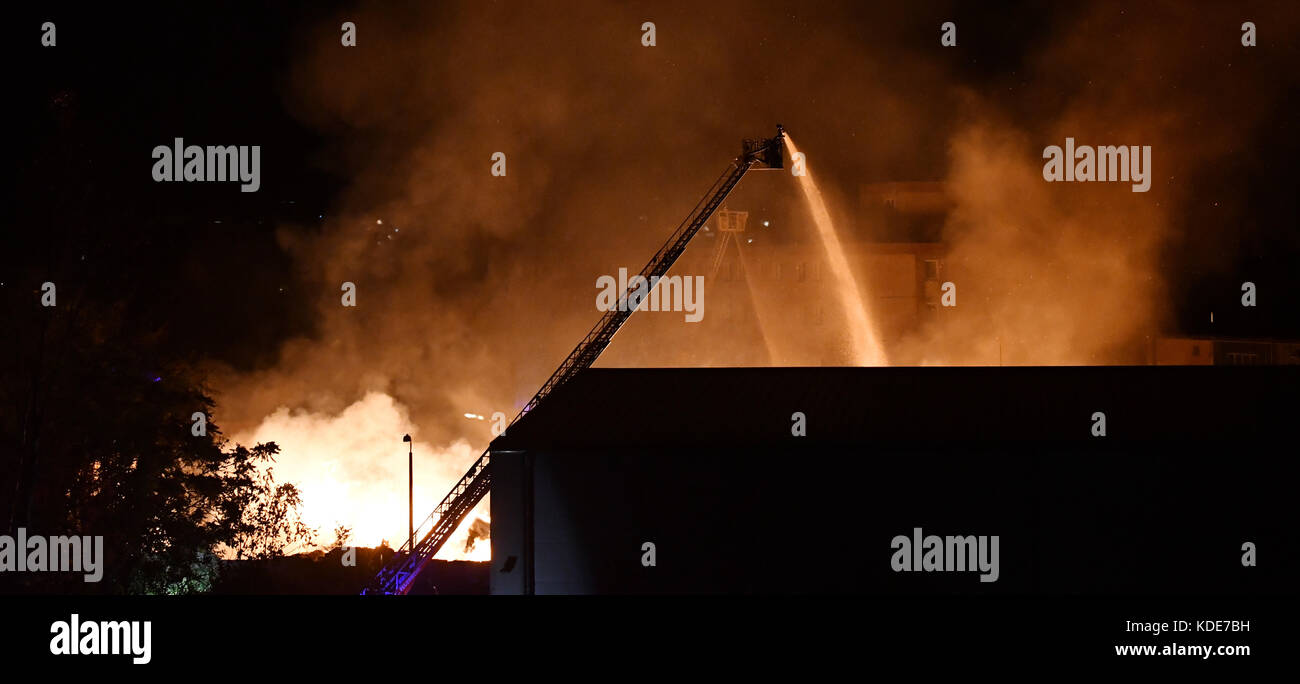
406	438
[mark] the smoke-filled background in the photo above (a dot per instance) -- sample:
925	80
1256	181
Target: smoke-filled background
471	288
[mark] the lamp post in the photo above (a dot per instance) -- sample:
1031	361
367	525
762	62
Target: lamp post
410	494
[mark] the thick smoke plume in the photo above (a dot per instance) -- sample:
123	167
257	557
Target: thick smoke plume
1077	273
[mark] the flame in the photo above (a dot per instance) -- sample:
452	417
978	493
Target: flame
351	469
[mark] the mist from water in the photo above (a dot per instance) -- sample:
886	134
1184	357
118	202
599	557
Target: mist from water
865	343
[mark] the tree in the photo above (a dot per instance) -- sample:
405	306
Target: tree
342	534
264	515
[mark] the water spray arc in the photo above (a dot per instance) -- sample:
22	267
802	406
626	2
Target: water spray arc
865	346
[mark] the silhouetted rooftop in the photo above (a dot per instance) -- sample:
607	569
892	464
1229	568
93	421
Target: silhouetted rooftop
911	405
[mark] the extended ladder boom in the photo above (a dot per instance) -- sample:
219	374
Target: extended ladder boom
769	152
400	573
587	351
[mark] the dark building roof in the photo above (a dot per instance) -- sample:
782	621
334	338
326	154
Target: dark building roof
738	406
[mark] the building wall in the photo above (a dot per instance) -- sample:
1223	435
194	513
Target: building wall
1203	351
796	521
511	505
1181	351
1244	353
703	464
537	547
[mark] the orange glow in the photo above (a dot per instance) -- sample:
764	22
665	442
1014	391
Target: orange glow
351	469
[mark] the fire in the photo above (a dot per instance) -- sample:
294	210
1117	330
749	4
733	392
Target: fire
351	469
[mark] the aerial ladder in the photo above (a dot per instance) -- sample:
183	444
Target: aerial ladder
400	573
